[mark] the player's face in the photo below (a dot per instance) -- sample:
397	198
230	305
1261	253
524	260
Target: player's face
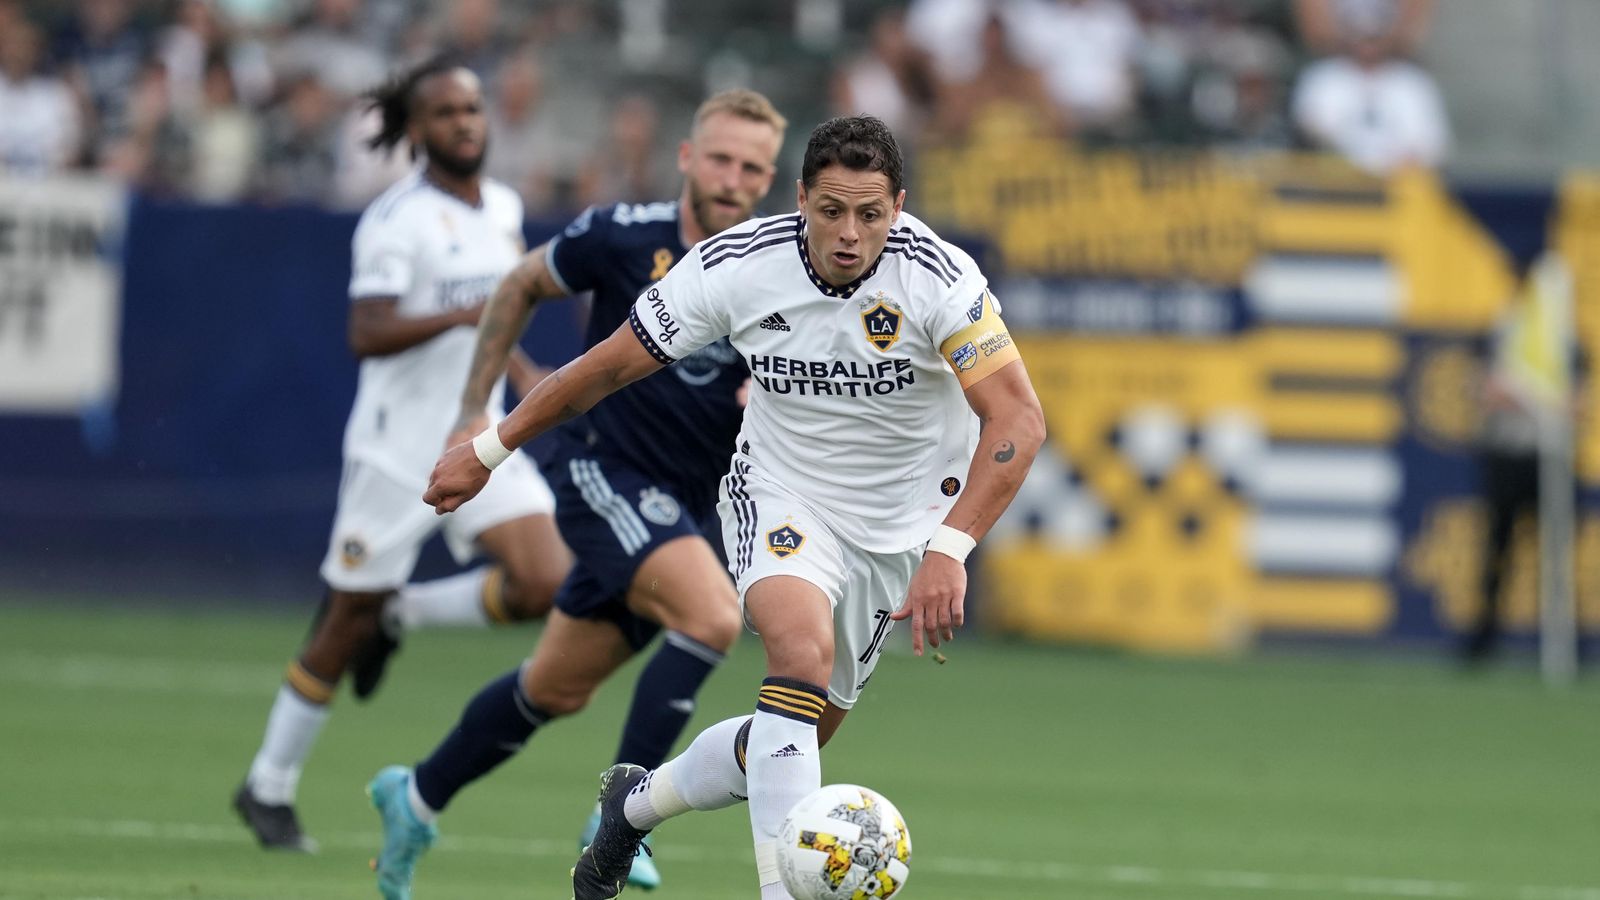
848	217
449	122
727	167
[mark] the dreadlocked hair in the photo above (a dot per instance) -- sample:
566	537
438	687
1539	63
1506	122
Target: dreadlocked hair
395	98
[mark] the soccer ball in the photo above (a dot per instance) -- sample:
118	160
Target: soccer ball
844	842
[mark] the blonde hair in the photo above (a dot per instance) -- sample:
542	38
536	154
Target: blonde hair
744	104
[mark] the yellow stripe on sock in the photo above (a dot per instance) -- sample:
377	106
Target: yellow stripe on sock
793	696
307	685
494	596
808	713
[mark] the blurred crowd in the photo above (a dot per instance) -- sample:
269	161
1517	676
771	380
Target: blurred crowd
228	100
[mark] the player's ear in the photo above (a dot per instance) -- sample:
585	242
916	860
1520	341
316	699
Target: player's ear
685	155
899	202
800	194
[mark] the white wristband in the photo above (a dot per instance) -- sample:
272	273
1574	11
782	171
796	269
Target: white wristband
489	449
952	542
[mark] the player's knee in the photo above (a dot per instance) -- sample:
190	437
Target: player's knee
530	591
558	700
715	624
800	657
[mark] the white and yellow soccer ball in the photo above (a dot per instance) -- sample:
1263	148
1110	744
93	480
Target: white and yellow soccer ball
844	842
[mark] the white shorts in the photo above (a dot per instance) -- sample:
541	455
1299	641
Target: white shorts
382	523
768	531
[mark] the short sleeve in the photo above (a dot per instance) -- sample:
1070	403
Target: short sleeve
578	252
383	260
680	313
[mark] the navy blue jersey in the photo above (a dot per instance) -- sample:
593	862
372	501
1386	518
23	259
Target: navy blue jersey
677	426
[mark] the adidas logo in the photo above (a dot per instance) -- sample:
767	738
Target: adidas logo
787	752
775	322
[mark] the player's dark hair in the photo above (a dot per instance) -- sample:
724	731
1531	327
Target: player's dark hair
859	143
395	99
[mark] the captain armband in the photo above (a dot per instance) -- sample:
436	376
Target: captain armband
984	346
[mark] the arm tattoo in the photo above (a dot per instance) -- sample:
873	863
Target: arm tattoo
1004	451
498	329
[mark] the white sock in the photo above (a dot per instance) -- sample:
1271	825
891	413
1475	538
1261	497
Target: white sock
456	600
425	814
767	872
704	776
292	727
782	762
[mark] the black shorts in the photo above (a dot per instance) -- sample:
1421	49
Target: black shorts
613	516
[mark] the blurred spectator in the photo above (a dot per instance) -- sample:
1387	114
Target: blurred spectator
156	153
626	168
298	155
38	115
949	32
188	46
890	80
102	52
1509	458
1327	26
1238	97
1086	50
1004	85
474	35
1379	112
526	147
226	138
332	47
256	15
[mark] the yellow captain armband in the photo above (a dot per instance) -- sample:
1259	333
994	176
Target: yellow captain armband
978	350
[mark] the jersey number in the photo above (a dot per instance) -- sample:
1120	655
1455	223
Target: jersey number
878	634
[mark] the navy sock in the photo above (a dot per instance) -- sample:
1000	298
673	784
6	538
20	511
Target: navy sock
664	699
493	727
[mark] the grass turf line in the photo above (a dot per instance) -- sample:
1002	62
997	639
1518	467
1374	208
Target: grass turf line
1024	771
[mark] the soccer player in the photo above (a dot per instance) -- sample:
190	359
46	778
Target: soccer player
636	484
854	495
427	254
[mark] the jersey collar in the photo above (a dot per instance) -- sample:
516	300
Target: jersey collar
843	293
422	173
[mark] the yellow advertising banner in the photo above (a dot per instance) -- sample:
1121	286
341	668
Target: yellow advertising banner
1258	376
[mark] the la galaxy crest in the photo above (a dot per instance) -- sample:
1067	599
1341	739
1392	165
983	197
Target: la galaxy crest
784	541
352	552
881	317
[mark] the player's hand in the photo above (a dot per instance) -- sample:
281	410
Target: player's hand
743	394
467	428
457	477
936	601
469	315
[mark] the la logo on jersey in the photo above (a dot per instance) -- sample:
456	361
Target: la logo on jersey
882	321
784	542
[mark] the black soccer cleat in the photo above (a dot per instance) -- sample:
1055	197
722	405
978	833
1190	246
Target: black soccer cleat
602	869
371	658
275	825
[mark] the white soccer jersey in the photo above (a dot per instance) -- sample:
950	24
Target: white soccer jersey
433	253
856	405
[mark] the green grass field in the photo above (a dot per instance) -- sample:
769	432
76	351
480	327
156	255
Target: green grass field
1024	772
